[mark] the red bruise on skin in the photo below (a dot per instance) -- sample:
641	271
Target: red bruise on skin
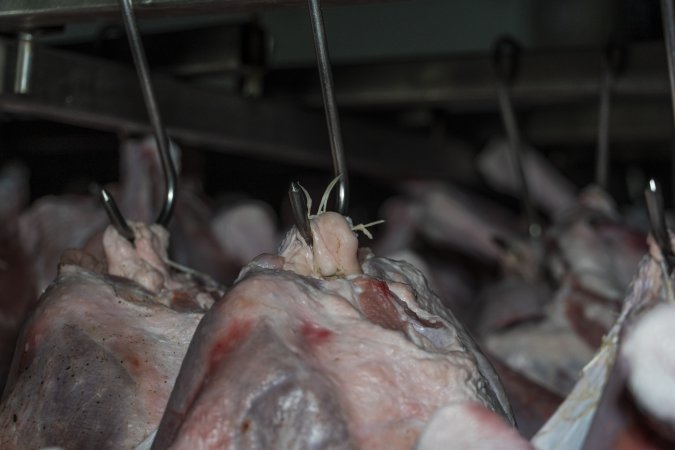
313	334
245	426
134	363
235	335
378	304
130	360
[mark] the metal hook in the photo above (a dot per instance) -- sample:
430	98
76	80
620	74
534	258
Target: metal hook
300	213
163	145
668	18
330	107
614	60
657	221
506	56
115	216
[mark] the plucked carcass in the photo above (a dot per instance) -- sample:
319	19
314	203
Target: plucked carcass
96	361
325	345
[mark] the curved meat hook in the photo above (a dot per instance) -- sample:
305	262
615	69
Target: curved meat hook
506	55
657	222
668	19
163	145
300	213
330	107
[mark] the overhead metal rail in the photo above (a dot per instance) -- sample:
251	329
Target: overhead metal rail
17	14
91	92
466	82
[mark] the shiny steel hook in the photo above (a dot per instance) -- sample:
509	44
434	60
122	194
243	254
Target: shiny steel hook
330	107
506	55
668	18
115	216
163	145
657	221
300	213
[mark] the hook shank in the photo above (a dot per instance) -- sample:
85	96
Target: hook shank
163	144
332	118
657	221
505	59
668	17
168	169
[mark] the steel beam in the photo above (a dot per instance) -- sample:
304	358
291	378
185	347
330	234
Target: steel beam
16	14
215	49
462	83
86	91
633	121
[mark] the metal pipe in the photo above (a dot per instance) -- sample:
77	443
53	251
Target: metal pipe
140	61
332	118
24	63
